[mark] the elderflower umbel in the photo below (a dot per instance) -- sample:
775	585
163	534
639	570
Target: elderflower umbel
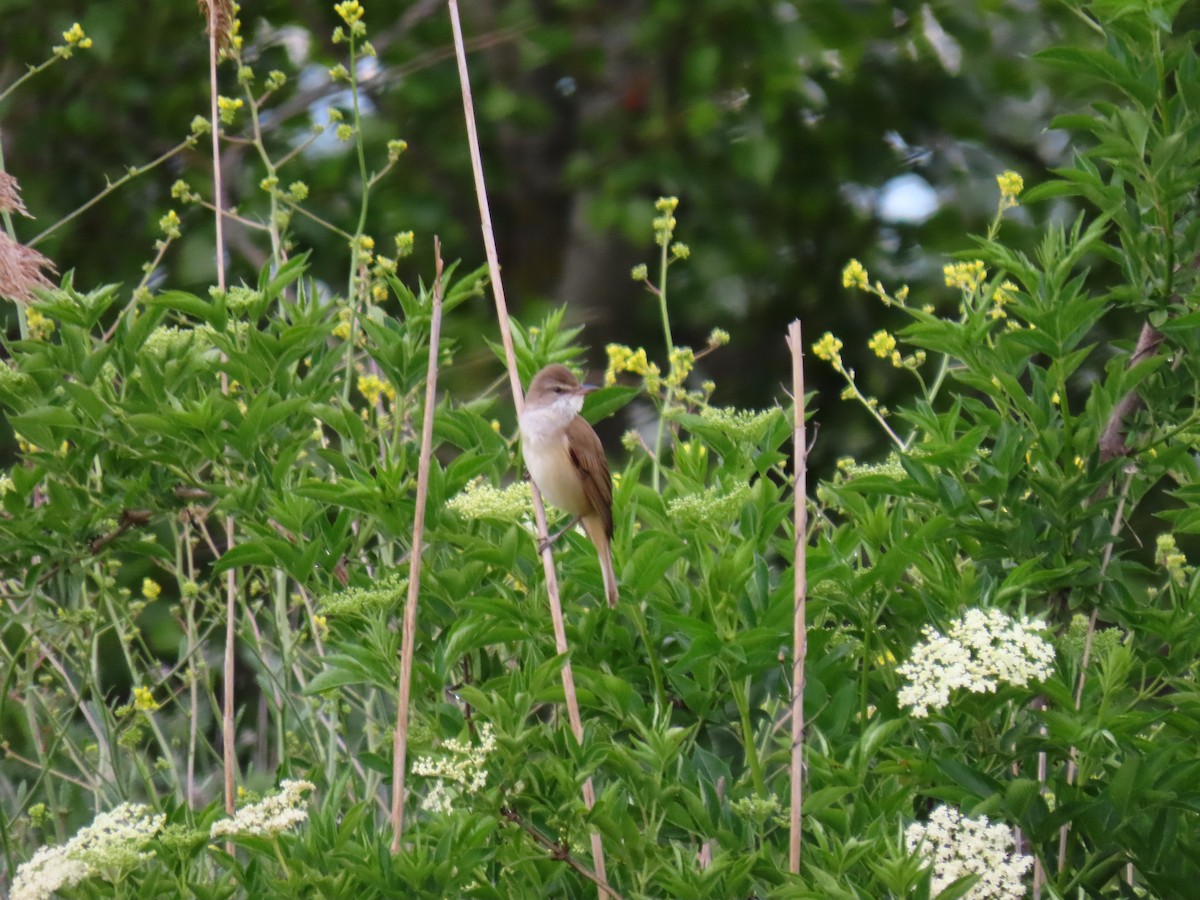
270	815
957	846
984	649
462	772
356	600
745	426
709	507
113	841
480	500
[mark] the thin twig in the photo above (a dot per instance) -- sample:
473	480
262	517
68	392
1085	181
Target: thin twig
400	750
799	593
539	510
129	175
558	851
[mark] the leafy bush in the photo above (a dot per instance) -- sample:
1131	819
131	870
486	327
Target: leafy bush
1001	651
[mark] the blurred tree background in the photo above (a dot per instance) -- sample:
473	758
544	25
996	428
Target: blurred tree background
796	134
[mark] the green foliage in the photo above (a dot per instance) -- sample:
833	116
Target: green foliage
258	446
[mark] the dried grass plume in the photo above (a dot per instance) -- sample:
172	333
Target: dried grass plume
21	269
10	195
219	15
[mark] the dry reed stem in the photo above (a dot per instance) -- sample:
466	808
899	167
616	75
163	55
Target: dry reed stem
800	592
539	510
214	10
400	746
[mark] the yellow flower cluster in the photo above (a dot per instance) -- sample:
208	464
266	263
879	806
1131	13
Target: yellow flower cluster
1001	297
372	387
40	326
227	109
966	276
1011	184
151	589
1167	555
350	12
625	359
829	349
854	275
75	40
169	224
883	345
664	223
143	700
680	364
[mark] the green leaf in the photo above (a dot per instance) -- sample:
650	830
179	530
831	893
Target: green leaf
603	403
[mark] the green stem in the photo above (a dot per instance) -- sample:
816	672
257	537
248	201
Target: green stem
272	175
639	619
112	186
666	323
741	696
33	70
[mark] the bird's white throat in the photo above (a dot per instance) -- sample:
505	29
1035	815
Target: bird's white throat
545	422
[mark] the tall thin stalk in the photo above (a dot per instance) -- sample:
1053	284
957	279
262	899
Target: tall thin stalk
218	20
799	591
539	510
400	747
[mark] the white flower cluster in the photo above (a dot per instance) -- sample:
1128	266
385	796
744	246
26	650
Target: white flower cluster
742	425
709	507
112	842
270	815
984	649
957	846
463	769
481	500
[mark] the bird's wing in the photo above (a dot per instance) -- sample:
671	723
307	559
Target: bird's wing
587	455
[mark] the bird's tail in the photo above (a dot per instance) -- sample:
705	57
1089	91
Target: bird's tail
596	531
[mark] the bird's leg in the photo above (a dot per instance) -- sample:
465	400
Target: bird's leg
548	542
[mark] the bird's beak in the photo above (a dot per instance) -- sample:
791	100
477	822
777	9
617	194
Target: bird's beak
586	389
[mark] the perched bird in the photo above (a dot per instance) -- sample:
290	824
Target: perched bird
566	461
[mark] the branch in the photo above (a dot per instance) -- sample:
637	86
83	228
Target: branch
1112	439
558	851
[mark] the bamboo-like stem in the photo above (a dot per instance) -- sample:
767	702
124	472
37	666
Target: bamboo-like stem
539	510
400	746
799	592
227	736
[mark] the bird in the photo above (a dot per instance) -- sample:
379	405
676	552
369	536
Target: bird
566	461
